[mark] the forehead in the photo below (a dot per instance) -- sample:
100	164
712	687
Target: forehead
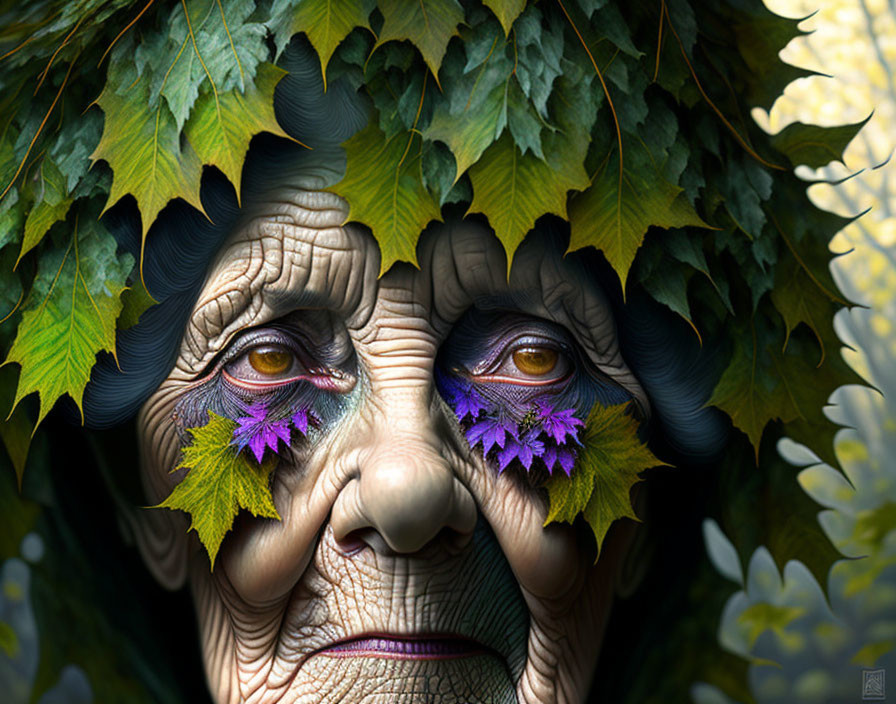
294	252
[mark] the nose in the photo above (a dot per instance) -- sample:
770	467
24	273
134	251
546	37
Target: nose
405	494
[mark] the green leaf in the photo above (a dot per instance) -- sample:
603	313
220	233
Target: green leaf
219	483
513	189
205	45
142	147
874	525
813	145
870	653
52	202
506	11
801	298
765	382
135	300
763	616
428	24
383	185
9	641
15	426
614	213
766	506
328	22
222	125
70	316
607	468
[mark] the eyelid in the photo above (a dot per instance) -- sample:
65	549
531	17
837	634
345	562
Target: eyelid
486	371
528	339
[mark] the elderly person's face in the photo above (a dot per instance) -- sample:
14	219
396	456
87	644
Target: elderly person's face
406	567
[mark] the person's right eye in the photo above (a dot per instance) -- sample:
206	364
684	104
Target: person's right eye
267	360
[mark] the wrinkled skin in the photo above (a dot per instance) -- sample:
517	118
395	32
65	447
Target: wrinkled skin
390	523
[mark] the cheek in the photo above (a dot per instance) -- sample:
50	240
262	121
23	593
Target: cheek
159	441
547	561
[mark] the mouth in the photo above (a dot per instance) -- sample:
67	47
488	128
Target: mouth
403	647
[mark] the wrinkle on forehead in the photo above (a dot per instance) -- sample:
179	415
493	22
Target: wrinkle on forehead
288	250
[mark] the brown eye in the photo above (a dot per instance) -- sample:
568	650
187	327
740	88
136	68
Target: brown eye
270	360
535	361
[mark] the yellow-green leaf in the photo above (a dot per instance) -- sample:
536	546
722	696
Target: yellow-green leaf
763	616
51	203
513	189
384	188
328	22
222	125
219	483
70	316
142	147
506	11
614	213
428	24
136	300
607	468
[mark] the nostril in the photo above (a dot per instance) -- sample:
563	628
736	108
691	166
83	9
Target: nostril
447	539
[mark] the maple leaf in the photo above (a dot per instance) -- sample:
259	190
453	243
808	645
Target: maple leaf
607	468
70	316
764	382
383	185
506	11
814	145
142	147
614	213
203	43
222	125
513	190
328	22
51	205
428	24
219	483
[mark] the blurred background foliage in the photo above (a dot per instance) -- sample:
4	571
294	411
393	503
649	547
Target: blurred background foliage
802	647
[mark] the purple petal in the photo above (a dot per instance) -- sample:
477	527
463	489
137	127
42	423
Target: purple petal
281	429
510	451
300	420
567	459
257	445
559	424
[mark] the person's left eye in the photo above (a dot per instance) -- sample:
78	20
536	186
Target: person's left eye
528	361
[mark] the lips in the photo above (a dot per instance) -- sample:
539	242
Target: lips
434	647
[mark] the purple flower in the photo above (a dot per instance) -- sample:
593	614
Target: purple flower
258	432
491	431
559	424
565	456
302	418
461	396
524	449
468	402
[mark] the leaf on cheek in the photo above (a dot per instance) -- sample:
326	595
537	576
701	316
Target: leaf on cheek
607	468
219	483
